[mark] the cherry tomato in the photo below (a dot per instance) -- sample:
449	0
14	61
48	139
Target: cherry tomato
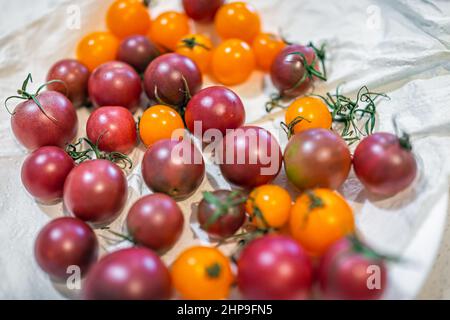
232	62
266	46
160	122
202	10
97	48
308	113
269	206
198	47
237	20
138	51
319	218
202	273
168	28
128	17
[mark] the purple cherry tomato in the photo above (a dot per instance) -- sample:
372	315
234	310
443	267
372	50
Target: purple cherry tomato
138	51
202	10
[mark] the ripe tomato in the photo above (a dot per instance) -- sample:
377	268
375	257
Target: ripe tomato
269	206
232	62
319	218
266	46
308	113
202	10
198	47
168	28
159	122
202	273
128	17
237	20
97	48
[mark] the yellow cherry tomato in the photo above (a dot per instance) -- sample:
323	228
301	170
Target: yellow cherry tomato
168	28
128	17
232	62
237	20
160	122
308	113
198	47
266	46
97	48
269	206
319	218
202	273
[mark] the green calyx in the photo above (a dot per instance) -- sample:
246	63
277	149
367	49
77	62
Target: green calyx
222	207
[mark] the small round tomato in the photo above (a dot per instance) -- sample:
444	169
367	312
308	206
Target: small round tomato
198	47
202	273
128	17
319	218
237	20
232	62
168	28
97	48
159	122
266	46
269	206
308	113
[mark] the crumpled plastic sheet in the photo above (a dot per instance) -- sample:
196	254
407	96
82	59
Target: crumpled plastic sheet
399	47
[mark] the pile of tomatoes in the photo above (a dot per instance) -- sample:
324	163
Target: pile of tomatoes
283	245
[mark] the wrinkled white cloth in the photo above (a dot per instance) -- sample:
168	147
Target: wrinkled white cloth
399	47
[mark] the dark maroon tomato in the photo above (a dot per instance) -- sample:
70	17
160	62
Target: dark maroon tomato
75	76
163	79
96	191
274	268
115	84
385	164
55	125
249	157
215	108
138	51
202	10
222	215
155	221
128	274
350	271
44	172
288	70
173	167
113	128
317	158
65	242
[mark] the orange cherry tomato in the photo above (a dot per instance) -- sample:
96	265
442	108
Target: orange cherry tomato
266	46
197	47
308	113
319	218
160	122
269	206
97	48
202	273
168	28
237	20
232	62
128	17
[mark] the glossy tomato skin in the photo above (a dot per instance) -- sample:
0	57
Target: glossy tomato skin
202	10
128	17
138	51
248	164
317	158
274	268
113	128
56	127
168	28
65	242
44	172
173	167
215	107
97	48
142	276
343	273
287	70
266	46
96	191
165	75
155	221
383	166
75	76
115	84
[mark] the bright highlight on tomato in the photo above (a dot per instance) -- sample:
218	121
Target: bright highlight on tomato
168	28
97	48
308	113
128	17
266	46
198	47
